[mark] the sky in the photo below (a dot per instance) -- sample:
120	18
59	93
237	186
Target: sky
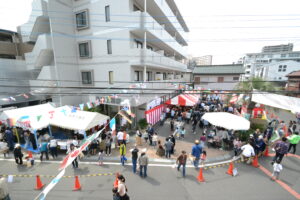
224	29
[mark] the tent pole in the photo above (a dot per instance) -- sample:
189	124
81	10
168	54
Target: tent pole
17	134
36	140
50	131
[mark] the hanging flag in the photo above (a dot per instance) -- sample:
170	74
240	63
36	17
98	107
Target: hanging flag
124	116
102	100
127	108
39	117
81	106
74	109
89	105
25	96
12	99
97	102
112	124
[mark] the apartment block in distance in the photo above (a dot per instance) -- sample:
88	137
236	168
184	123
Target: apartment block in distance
102	42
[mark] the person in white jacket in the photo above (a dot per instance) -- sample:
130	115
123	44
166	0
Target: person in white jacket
277	168
247	152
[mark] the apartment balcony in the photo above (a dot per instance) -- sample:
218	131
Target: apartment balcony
161	8
38	22
155	60
45	79
42	53
157	34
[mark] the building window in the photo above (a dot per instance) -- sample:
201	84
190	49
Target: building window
197	79
85	49
82	20
236	78
283	55
164	76
137	76
220	79
107	14
284	68
294	55
149	76
87	77
248	66
138	44
150	48
109	49
111	77
280	68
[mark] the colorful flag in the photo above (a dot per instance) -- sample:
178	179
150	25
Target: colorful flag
73	109
112	124
124	116
102	100
89	105
25	96
81	106
97	102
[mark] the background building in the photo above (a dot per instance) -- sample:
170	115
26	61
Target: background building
14	77
217	77
254	62
203	60
294	83
277	71
110	43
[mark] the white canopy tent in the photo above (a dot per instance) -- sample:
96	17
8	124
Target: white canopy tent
227	120
69	118
278	101
29	118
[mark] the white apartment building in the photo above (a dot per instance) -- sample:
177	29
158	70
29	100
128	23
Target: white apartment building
100	43
254	62
277	71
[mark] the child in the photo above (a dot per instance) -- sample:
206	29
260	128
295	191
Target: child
29	159
101	157
203	158
182	133
203	140
154	140
277	167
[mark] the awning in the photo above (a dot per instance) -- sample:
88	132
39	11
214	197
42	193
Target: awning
183	100
278	101
227	120
153	115
69	118
29	118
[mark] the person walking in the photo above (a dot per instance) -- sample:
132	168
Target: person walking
100	157
123	153
294	140
150	131
277	168
53	148
4	193
8	135
168	146
44	150
143	162
134	157
108	142
196	153
70	151
18	154
181	161
122	189
281	148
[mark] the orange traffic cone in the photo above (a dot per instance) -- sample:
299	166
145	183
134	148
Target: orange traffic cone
255	162
230	169
77	184
200	177
116	182
39	184
267	152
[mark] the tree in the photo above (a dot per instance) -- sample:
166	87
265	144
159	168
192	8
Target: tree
257	84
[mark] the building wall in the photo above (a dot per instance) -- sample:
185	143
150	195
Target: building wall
278	71
211	82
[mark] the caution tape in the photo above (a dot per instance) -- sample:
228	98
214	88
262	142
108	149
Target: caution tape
52	176
220	165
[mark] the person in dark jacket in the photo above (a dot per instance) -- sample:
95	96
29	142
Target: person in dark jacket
18	154
134	157
196	153
173	140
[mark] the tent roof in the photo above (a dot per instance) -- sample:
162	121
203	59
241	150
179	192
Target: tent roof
37	116
278	101
183	100
66	117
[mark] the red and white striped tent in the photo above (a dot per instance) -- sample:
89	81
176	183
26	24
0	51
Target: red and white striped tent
183	100
153	115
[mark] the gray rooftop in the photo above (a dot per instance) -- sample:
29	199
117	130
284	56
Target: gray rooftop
219	69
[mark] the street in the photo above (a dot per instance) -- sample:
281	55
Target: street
162	182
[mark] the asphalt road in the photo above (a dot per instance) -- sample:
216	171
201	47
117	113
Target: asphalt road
162	182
